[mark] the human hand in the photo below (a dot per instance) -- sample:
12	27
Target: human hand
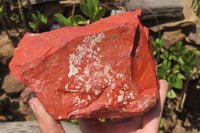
149	122
46	122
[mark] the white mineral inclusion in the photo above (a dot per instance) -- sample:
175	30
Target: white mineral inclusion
66	86
72	68
120	98
93	72
85	48
89	97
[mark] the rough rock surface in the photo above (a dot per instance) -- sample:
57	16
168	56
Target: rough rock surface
6	50
11	86
4	101
171	37
100	70
160	8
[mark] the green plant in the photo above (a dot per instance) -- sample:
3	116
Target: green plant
71	21
91	9
15	17
175	65
33	117
36	19
73	121
162	121
2	11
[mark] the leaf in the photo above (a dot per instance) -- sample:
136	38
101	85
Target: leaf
73	121
157	43
99	14
176	69
156	46
84	8
2	11
178	84
96	5
166	64
170	56
159	65
36	21
77	19
175	58
190	58
15	17
178	44
93	6
171	79
187	70
68	22
154	52
160	131
90	6
162	42
37	13
153	40
193	59
180	76
36	18
174	81
180	60
172	49
162	122
91	9
178	49
181	51
171	94
32	25
62	20
162	73
165	55
43	19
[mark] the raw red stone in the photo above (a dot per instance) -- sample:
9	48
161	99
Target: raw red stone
101	70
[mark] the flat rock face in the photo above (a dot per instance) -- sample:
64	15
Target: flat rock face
101	70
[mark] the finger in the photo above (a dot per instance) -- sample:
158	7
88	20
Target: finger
151	119
45	121
163	93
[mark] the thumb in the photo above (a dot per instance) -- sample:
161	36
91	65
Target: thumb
45	121
152	118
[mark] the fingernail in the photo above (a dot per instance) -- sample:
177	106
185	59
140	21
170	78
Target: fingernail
33	108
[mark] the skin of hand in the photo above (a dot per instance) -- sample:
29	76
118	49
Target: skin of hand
149	122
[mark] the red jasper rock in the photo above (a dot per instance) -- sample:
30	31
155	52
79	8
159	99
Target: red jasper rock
101	70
